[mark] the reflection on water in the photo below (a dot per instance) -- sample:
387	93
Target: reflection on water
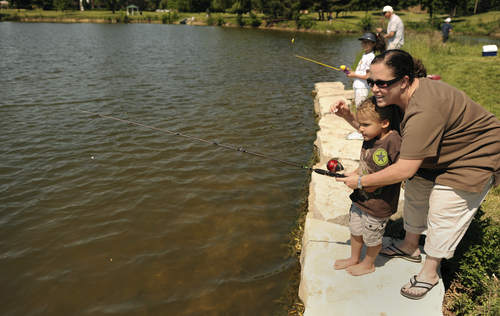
102	217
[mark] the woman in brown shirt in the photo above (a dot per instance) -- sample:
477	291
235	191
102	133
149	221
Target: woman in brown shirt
450	152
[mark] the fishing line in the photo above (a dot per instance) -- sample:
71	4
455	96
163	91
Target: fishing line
333	163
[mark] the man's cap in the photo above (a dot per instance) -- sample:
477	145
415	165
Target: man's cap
447	20
369	37
387	8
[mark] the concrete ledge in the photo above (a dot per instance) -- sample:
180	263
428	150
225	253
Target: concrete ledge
324	290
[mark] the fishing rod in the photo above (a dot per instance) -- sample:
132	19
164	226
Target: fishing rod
343	68
333	165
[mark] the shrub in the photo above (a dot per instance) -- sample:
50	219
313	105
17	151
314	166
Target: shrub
169	18
61	5
220	21
476	261
239	20
254	20
366	23
211	20
305	23
122	18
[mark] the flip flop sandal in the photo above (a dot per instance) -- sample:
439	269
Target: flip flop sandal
414	283
398	253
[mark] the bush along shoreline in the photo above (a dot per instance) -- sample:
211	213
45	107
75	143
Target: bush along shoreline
484	24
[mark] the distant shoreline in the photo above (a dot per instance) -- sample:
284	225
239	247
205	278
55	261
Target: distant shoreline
351	24
196	23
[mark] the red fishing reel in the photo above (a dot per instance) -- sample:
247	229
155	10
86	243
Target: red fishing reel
333	165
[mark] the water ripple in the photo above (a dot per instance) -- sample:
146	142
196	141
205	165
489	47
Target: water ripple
103	217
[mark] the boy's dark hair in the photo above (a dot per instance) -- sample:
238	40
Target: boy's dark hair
402	64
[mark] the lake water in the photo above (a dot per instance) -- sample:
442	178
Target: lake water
100	217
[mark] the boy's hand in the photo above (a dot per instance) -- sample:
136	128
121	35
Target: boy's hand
350	173
351	181
341	109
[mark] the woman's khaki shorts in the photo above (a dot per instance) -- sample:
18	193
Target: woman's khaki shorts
370	227
440	212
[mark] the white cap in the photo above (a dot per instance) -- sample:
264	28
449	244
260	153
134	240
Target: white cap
447	20
387	8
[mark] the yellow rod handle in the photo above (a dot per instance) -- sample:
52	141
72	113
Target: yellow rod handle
317	62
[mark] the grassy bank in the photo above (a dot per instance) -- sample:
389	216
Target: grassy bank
460	65
487	24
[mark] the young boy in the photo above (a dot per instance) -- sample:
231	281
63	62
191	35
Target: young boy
372	207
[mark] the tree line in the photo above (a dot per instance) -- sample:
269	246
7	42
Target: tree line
287	9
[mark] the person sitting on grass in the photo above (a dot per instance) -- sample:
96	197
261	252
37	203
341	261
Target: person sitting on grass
370	211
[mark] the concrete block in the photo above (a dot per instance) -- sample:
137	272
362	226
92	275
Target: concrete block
325	103
324	290
328	199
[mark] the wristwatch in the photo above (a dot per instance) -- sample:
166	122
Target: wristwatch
360	186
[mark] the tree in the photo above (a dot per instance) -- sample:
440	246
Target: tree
338	6
288	9
61	5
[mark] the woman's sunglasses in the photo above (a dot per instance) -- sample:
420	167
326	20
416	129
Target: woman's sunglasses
382	83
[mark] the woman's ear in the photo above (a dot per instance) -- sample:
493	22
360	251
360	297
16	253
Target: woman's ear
405	82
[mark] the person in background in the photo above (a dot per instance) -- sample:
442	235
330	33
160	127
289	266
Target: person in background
370	43
370	211
395	29
446	28
449	157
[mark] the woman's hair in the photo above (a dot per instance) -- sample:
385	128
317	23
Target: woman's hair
391	112
402	64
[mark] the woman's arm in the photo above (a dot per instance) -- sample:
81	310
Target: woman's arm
401	170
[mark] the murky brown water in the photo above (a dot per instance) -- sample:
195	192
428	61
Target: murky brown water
101	217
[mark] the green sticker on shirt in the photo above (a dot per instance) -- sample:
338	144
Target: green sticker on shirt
380	157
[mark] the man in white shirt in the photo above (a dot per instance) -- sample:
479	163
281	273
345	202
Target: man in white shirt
395	29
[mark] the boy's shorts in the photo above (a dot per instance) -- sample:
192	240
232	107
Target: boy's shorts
370	227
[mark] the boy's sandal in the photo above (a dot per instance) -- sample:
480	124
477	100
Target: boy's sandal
398	253
414	283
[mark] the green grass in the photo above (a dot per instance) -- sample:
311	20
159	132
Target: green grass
460	65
